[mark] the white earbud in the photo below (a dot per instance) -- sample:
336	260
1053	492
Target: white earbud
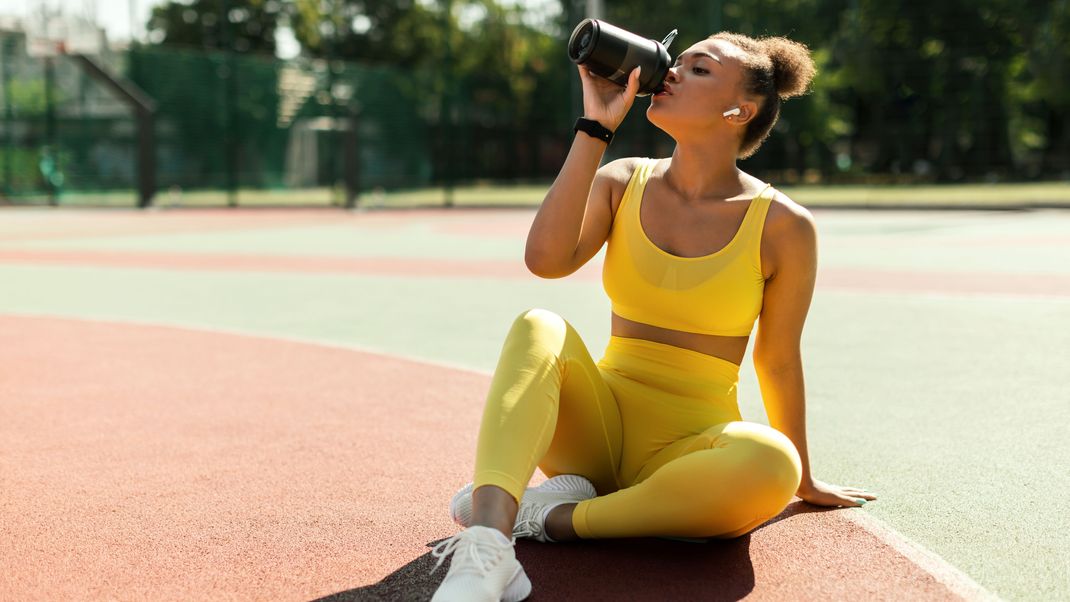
734	111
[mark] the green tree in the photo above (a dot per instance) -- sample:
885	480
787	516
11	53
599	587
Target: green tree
493	78
403	33
945	90
1044	83
236	25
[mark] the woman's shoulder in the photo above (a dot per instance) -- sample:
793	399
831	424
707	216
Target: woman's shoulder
787	216
624	166
782	209
789	231
619	174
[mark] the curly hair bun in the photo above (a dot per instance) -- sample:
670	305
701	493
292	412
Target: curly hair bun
793	69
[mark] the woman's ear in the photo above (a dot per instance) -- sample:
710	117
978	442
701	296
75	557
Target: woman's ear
747	111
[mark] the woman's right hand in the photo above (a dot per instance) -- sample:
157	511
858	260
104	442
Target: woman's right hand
604	101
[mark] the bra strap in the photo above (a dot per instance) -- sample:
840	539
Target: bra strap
757	225
637	183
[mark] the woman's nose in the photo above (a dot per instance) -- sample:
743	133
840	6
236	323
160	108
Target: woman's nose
671	76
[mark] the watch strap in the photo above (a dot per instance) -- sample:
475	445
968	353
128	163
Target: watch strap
593	129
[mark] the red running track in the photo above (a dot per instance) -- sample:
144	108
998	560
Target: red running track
157	463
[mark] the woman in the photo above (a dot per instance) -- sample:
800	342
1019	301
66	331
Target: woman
649	441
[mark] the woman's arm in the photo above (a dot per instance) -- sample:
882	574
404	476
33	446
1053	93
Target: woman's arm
777	358
555	232
788	292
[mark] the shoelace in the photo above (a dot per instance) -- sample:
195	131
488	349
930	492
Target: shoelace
474	550
527	522
528	528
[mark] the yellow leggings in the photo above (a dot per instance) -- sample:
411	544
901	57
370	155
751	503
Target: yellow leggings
656	428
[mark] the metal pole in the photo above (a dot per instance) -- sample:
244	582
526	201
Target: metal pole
351	159
9	134
228	95
446	118
50	131
146	152
236	147
332	131
144	108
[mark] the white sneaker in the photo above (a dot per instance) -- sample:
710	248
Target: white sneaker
534	506
484	568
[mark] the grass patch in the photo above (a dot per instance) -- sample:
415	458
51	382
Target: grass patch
1032	194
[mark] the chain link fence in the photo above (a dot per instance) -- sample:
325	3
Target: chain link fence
232	129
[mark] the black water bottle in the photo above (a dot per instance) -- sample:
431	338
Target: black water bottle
612	52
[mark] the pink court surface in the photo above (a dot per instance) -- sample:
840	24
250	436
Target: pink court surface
145	459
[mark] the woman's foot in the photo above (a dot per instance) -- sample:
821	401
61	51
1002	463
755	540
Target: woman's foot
535	506
484	568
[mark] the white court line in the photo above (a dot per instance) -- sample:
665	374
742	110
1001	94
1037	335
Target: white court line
955	580
944	573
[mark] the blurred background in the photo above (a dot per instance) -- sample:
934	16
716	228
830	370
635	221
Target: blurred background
365	103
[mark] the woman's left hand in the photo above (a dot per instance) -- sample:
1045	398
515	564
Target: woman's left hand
825	494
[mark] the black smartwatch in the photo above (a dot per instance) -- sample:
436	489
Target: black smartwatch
593	129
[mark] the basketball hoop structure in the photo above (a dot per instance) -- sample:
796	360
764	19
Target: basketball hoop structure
51	33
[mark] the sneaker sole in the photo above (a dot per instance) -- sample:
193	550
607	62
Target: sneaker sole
519	587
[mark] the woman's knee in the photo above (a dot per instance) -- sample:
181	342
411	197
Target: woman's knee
768	464
762	481
537	317
774	465
541	324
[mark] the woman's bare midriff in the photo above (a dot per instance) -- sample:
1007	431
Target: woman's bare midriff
726	348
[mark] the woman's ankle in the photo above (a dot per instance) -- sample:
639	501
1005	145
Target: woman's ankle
501	527
559	523
494	507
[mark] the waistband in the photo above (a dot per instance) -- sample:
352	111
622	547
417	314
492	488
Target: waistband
660	364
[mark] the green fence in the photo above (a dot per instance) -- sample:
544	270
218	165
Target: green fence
244	127
239	129
60	130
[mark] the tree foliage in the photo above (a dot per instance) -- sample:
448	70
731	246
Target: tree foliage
233	25
927	90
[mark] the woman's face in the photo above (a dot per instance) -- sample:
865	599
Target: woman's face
703	84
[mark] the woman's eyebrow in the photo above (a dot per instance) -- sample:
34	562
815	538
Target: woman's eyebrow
705	54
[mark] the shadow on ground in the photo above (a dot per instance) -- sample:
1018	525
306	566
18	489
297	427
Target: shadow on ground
605	569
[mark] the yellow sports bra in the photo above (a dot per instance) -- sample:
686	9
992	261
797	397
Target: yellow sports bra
719	293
